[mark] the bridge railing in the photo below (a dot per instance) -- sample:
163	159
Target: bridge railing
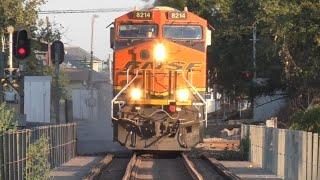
287	153
14	144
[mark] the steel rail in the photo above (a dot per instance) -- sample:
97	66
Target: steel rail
130	167
96	170
220	169
191	168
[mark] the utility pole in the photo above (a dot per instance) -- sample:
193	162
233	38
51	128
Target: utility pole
49	43
254	51
91	48
254	42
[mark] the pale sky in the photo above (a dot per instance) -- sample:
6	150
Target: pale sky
77	27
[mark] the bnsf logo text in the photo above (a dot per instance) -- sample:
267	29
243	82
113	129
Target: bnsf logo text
170	66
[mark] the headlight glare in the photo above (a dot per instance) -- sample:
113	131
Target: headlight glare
159	53
136	94
183	95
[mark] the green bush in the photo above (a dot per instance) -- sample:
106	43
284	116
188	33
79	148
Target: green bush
38	167
8	117
307	120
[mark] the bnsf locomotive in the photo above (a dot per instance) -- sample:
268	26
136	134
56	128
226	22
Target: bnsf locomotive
159	79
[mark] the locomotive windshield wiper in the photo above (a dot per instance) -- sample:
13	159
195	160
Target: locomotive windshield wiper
110	25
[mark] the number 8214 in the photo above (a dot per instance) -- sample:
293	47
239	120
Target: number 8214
142	15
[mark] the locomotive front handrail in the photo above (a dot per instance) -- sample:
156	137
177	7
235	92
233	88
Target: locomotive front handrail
199	95
160	110
128	71
120	92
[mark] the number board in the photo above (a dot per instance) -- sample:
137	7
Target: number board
145	15
177	15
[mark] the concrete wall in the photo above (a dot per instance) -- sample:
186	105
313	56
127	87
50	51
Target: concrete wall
91	112
288	154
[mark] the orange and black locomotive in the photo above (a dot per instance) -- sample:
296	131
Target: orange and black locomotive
159	79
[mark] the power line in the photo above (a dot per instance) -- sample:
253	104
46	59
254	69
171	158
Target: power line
78	11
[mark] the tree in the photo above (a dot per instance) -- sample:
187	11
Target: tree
231	52
308	120
23	14
288	50
298	38
7	118
19	13
44	32
47	31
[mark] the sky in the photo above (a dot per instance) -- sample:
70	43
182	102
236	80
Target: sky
77	27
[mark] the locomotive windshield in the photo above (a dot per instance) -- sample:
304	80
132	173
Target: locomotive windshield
182	32
138	31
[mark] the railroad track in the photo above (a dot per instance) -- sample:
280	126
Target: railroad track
111	167
155	166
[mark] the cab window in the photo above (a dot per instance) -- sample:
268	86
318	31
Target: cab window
138	31
182	32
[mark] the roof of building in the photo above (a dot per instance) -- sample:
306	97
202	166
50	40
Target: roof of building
77	53
76	74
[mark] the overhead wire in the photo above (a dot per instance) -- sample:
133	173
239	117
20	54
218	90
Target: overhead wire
79	11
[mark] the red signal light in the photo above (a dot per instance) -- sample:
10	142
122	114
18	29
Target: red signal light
22	51
21	44
247	75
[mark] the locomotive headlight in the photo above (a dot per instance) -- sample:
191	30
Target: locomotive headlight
136	94
182	95
159	53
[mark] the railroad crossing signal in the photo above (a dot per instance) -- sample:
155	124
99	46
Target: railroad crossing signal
57	52
57	57
21	44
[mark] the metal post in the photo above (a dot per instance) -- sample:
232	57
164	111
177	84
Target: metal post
110	69
2	58
10	61
57	72
49	62
2	42
224	105
240	108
